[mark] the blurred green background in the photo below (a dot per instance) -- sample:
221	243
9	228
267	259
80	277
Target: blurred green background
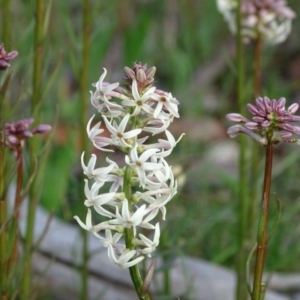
193	51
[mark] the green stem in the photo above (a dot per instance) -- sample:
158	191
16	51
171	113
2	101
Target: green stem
18	198
3	247
255	147
38	59
164	241
128	232
263	227
241	287
3	208
35	108
84	82
257	66
6	14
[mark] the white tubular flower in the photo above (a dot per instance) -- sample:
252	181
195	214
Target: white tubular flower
160	124
117	182
92	133
118	134
157	126
162	197
124	260
94	229
139	102
104	90
166	101
141	164
88	222
100	174
128	219
113	241
98	200
156	178
150	246
148	218
168	145
99	142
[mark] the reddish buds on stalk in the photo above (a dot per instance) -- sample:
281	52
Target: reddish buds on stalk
5	58
17	133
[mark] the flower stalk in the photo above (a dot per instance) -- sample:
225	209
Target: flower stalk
35	109
257	75
83	81
3	247
6	22
5	59
258	289
241	288
128	235
18	200
16	134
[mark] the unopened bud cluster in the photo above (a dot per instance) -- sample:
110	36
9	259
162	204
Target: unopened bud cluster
17	133
135	194
269	20
270	122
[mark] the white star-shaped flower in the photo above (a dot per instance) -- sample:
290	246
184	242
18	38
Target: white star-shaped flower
150	245
98	200
118	134
103	90
113	240
139	102
129	219
96	228
100	174
168	145
141	164
165	100
98	141
124	260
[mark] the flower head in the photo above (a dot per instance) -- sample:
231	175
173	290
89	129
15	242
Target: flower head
269	118
270	19
17	133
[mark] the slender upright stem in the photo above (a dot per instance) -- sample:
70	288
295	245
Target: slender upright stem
241	287
35	108
257	66
128	232
38	59
83	81
164	241
6	22
3	247
3	207
18	199
263	226
255	147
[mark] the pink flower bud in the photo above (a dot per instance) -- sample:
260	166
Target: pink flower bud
43	128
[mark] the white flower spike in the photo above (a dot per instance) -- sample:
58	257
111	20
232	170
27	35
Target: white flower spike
138	191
